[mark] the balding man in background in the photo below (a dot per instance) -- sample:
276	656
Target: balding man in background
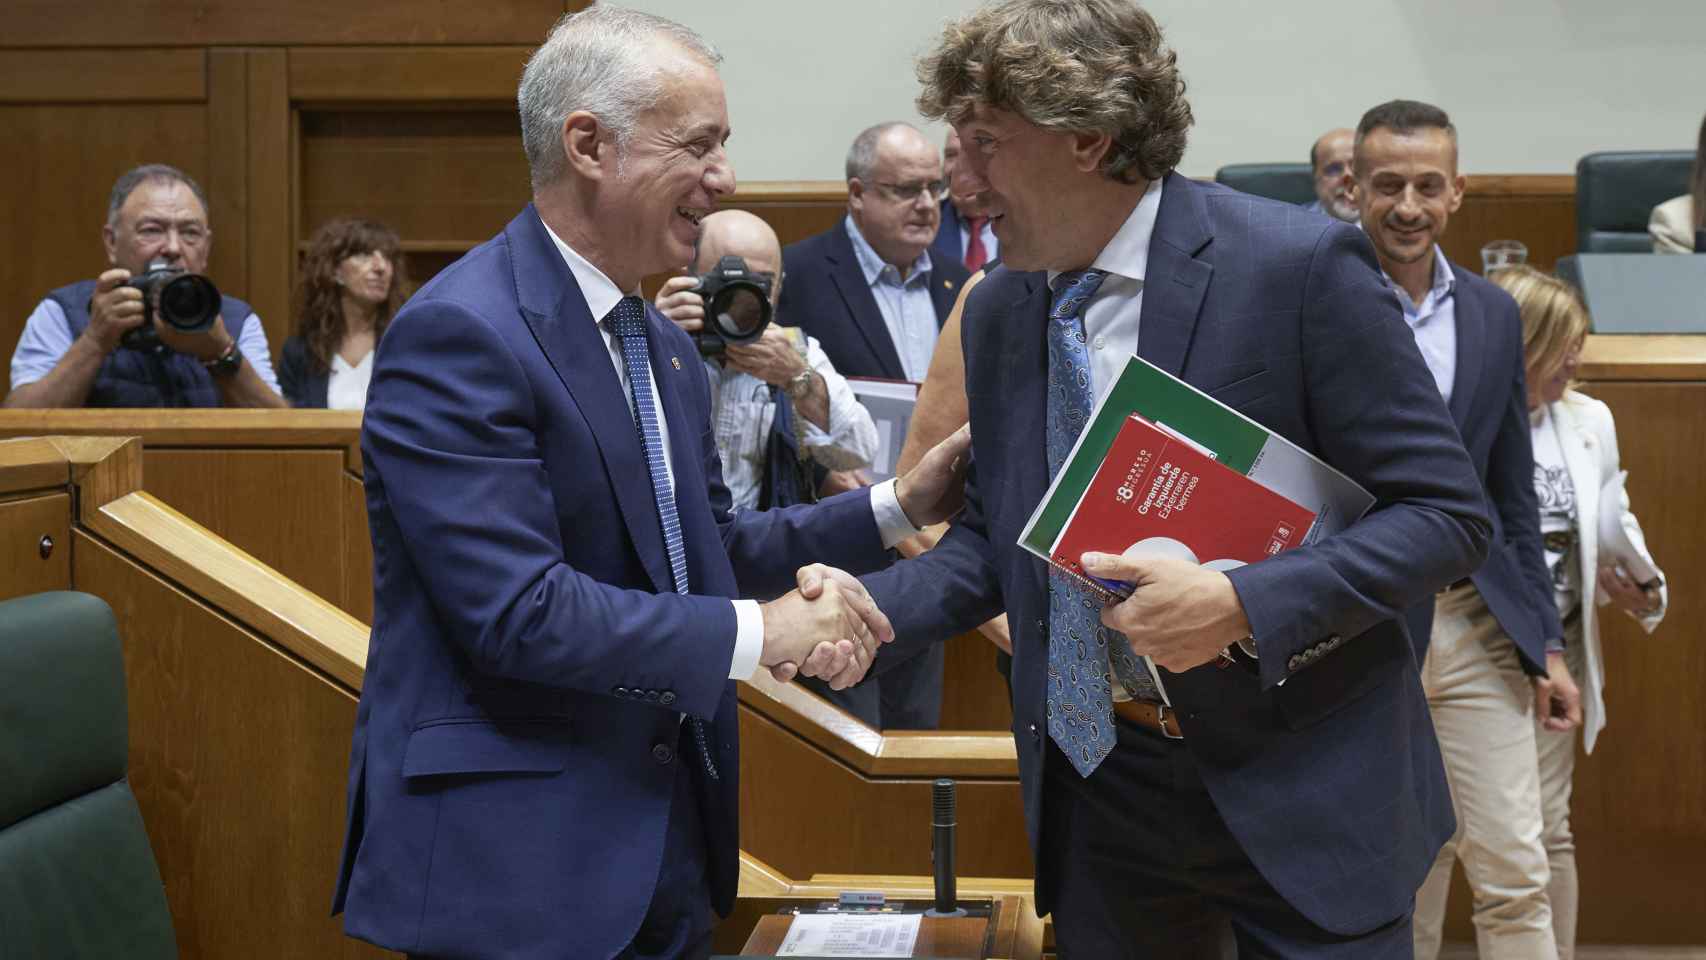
1330	162
869	290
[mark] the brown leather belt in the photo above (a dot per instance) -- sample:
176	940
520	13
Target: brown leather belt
1150	716
1465	582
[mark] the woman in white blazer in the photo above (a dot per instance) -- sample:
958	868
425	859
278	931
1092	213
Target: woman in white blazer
1575	459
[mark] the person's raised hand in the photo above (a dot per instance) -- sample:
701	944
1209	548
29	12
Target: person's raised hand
677	300
114	309
934	489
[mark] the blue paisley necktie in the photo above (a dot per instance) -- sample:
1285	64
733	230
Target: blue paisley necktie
1080	648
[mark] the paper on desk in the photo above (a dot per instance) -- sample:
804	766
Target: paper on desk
851	935
1614	541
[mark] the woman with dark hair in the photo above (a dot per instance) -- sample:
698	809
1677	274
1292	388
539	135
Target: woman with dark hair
352	285
1675	222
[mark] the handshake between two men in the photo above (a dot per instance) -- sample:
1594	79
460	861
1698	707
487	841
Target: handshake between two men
828	626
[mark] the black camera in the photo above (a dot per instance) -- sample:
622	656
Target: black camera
186	302
737	305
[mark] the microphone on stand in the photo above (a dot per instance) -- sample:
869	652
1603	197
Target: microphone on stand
942	822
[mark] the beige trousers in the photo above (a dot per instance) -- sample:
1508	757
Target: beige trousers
1557	766
1483	713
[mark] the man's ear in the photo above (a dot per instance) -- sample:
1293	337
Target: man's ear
856	195
1088	149
109	239
1458	185
585	146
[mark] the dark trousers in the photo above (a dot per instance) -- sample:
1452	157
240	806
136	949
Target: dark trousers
1143	866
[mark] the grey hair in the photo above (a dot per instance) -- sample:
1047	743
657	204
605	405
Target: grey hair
135	177
862	155
595	61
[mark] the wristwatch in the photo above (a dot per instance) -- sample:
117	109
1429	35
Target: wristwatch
226	364
800	385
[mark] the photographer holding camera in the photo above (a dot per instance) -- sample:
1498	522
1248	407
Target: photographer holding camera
778	407
152	331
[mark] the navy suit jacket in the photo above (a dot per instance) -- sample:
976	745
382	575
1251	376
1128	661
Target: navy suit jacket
1332	782
947	247
1489	404
303	386
825	293
512	765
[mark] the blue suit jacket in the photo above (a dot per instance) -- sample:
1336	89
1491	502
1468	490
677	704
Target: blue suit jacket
825	294
1332	782
1489	404
947	247
507	793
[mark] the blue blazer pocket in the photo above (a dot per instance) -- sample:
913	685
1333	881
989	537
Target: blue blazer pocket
1243	391
447	747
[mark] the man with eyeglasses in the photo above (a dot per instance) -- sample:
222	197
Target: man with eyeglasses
74	351
1330	162
873	296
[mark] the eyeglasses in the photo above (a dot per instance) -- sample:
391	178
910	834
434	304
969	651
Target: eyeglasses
908	192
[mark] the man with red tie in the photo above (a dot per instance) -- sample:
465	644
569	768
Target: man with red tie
965	234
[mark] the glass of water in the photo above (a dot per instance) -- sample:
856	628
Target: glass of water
1502	253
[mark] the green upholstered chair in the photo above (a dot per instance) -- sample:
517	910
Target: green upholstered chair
1291	182
77	876
1616	193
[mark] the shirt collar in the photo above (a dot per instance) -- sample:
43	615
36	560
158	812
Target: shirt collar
1444	282
600	292
874	265
1127	254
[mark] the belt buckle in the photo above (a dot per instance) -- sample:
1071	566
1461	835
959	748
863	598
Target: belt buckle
1161	719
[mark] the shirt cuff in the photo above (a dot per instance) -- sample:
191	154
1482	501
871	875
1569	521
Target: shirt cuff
891	519
749	639
1555	645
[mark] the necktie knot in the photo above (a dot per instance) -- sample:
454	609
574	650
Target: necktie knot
1075	289
628	318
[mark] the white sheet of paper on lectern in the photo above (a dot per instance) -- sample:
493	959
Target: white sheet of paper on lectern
851	935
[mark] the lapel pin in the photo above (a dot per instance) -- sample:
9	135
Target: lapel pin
675	362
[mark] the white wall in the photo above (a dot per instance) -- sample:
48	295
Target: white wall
1531	84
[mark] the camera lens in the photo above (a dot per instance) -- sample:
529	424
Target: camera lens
740	312
189	303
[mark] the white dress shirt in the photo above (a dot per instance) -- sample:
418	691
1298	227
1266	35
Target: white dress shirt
1434	322
907	309
602	295
346	386
742	413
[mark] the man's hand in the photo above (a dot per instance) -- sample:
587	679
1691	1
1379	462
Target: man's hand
811	579
831	635
207	345
114	310
935	489
677	301
772	358
1179	614
1557	700
1625	592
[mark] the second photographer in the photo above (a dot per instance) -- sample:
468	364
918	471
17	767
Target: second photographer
151	331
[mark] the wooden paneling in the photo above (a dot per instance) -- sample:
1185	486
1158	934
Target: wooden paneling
49	23
238	759
409	74
1538	210
59	167
24	522
281	506
882	825
103	76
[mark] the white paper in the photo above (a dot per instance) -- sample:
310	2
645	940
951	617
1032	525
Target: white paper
1614	541
851	935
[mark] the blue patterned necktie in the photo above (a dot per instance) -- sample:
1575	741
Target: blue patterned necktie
1080	648
628	320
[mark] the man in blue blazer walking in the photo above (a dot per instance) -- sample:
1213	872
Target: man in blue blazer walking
1491	637
544	762
1292	799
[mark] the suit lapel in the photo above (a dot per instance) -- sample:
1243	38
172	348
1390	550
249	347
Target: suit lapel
1177	282
1024	412
557	315
943	292
1471	338
855	292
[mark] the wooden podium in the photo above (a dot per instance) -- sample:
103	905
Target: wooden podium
1001	927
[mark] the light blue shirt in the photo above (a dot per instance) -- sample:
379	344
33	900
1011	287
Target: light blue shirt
1434	322
47	335
905	305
